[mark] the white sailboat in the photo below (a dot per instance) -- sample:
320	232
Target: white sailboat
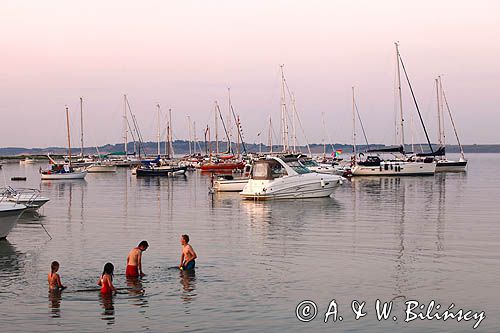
63	171
279	178
443	163
398	164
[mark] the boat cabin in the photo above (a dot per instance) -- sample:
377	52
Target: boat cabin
273	168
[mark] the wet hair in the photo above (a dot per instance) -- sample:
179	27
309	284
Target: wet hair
54	266
108	269
186	238
143	244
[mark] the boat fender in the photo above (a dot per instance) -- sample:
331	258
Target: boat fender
323	183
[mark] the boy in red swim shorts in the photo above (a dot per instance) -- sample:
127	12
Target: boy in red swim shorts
134	260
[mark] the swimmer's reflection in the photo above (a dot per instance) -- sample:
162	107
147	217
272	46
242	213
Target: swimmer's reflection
188	281
136	291
109	310
55	303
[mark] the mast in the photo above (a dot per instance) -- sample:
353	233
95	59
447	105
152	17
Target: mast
443	132
189	134
170	132
271	134
438	97
216	130
416	104
167	138
81	125
229	126
353	125
158	134
451	119
238	138
284	117
69	140
125	124
324	134
400	96
294	118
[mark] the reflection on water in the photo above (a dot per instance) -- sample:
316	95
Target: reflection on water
107	304
136	291
55	303
11	264
188	282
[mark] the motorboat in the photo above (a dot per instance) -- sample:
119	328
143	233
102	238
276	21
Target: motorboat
160	170
26	161
31	198
230	183
222	166
318	167
446	165
101	167
9	215
287	178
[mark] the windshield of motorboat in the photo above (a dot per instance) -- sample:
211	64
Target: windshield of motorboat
309	163
267	170
297	167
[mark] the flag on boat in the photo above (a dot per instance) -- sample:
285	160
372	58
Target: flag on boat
337	153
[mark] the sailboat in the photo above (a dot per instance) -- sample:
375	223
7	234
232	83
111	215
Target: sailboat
398	164
63	171
443	163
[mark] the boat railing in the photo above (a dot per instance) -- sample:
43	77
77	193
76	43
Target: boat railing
28	195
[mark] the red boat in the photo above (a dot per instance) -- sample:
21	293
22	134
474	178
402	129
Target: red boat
222	166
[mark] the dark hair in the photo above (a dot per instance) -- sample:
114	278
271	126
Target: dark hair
54	266
186	238
143	244
108	269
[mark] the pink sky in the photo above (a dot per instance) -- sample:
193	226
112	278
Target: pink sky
184	55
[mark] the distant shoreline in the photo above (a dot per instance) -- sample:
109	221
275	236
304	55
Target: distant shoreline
181	147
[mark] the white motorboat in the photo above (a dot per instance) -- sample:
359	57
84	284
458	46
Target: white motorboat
31	198
27	160
9	215
451	166
101	168
318	167
277	178
230	183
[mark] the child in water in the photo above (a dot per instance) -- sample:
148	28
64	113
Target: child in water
188	255
106	279
54	278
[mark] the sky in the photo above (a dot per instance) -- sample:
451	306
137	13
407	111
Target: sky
185	54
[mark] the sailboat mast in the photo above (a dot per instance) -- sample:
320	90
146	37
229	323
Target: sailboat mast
81	125
158	134
229	126
438	97
167	146
284	117
442	114
400	96
451	119
125	124
353	124
324	134
271	134
170	133
69	139
216	130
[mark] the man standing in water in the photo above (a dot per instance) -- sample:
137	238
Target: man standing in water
188	255
134	260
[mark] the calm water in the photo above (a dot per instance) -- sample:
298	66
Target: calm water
419	238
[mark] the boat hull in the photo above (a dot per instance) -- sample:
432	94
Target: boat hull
233	185
451	166
160	172
101	169
9	215
222	166
68	175
292	187
395	168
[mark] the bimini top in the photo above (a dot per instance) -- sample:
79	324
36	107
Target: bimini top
274	167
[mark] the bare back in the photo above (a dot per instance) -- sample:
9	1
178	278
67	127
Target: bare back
134	257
